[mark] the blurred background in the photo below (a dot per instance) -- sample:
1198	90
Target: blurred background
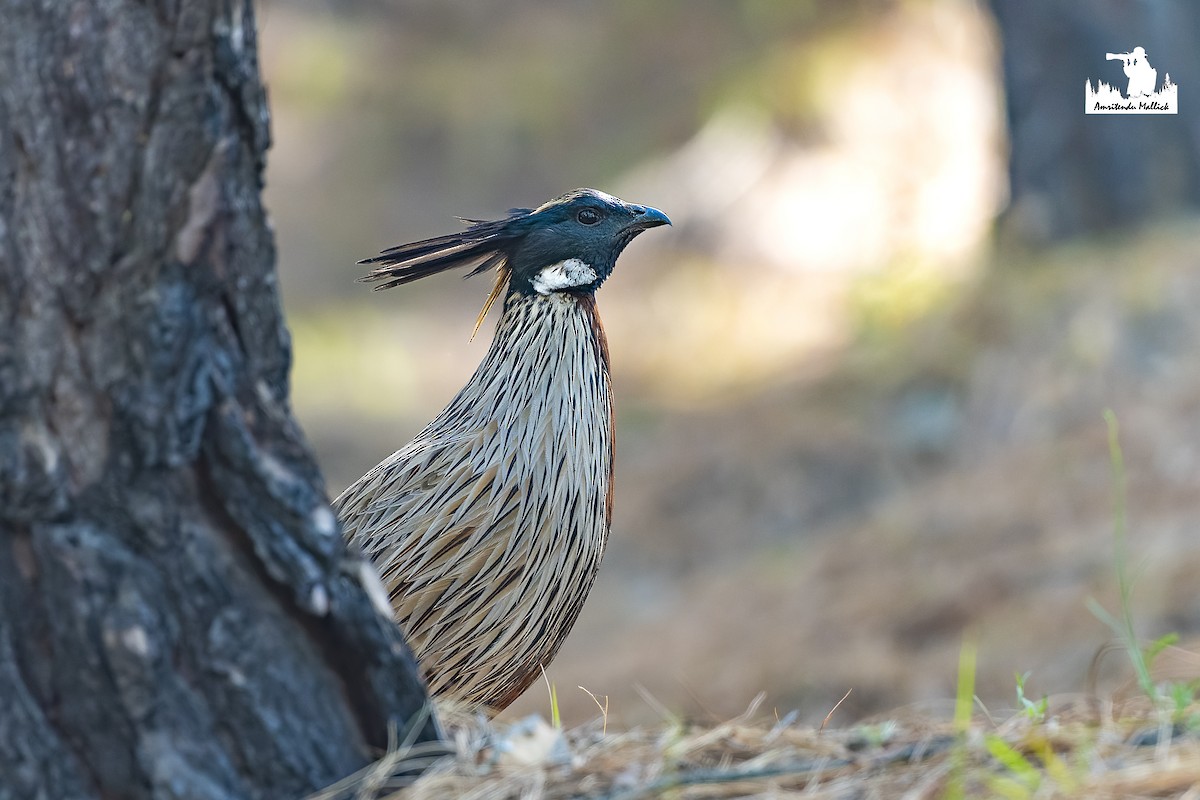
860	382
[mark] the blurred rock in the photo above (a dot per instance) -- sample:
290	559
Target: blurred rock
531	742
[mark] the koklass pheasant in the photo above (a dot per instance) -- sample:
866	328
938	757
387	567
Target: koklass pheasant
489	526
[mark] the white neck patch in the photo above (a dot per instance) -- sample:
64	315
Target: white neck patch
563	275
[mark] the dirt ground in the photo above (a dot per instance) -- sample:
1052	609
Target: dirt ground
1094	751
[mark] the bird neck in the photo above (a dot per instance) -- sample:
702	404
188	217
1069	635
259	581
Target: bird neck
549	358
566	318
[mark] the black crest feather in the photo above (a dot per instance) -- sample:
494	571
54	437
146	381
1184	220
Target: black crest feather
482	244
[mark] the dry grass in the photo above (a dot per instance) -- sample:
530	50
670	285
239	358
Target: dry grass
1081	750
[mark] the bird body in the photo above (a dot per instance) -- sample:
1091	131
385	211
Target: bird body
488	528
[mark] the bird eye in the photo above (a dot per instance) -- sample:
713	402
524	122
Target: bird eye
588	216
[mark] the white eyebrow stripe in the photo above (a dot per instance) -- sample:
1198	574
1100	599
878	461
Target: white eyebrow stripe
563	275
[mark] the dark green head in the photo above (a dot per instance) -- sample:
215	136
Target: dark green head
572	242
568	244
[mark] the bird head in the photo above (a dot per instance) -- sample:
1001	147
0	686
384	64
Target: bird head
569	244
572	242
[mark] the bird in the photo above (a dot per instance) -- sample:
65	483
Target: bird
488	528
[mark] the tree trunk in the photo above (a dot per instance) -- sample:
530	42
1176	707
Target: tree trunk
178	616
1072	174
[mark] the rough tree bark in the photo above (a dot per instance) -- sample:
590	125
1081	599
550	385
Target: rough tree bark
178	617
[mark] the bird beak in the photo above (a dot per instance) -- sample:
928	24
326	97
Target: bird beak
647	217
